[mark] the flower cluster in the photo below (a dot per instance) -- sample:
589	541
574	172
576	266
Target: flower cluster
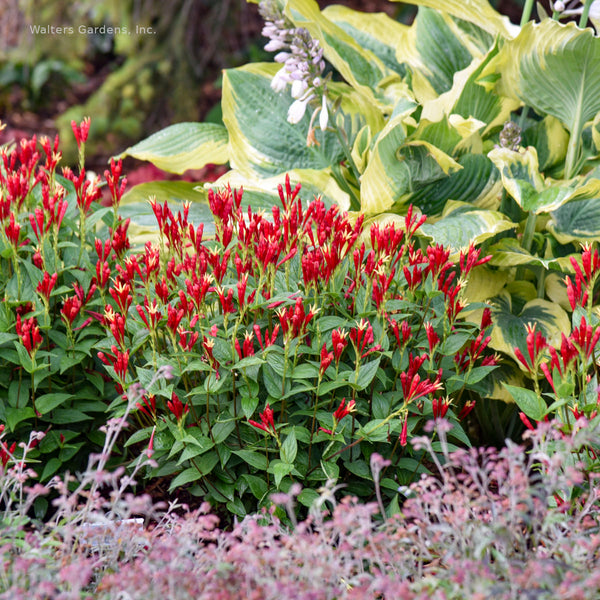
303	64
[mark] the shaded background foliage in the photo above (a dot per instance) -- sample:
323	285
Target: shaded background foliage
132	84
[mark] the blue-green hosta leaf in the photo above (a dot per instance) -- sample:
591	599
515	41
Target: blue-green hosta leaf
261	140
512	313
478	183
435	49
478	12
461	224
358	65
183	146
373	31
576	221
553	68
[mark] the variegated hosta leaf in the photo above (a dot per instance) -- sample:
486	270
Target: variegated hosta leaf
478	12
359	66
385	178
183	146
550	140
261	193
373	31
493	385
261	141
553	68
556	290
520	174
522	180
509	253
472	100
484	283
461	224
477	183
576	221
435	48
512	313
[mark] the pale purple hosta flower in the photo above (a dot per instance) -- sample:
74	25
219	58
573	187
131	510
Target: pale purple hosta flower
303	65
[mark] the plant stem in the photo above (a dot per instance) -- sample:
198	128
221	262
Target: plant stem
527	239
584	15
525	16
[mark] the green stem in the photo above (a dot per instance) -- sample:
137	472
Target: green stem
527	239
526	12
573	148
584	15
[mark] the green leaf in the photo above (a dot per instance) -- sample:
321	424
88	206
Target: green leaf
280	470
254	459
257	485
249	405
50	468
516	307
462	224
435	49
555	69
372	31
14	416
48	402
187	476
366	373
183	146
528	401
576	221
478	12
289	448
478	183
509	253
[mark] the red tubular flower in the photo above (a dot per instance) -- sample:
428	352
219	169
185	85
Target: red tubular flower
339	339
46	285
187	339
536	343
176	407
466	409
29	332
267	423
343	409
412	222
119	362
121	293
526	421
269	339
6	453
112	180
470	259
120	241
404	433
360	336
116	324
70	309
294	320
326	360
149	405
433	339
440	407
81	131
149	314
585	337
